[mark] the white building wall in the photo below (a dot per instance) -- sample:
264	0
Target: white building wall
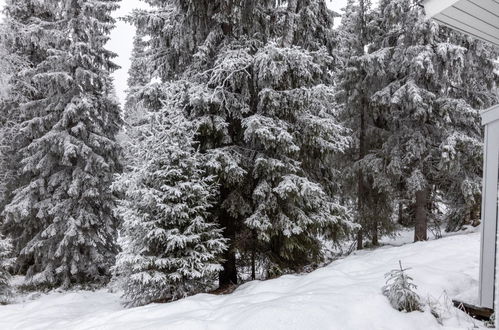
489	208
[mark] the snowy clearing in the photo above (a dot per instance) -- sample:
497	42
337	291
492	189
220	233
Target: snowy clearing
345	295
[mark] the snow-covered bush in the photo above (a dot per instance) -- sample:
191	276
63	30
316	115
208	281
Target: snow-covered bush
400	290
170	246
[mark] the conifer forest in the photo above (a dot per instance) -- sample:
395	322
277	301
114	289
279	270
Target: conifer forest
271	164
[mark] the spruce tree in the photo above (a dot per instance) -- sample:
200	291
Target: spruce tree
430	100
461	161
6	262
293	134
360	76
7	129
164	165
170	245
138	77
60	215
258	85
7	158
20	53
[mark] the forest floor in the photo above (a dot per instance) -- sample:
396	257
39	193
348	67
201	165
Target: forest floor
345	295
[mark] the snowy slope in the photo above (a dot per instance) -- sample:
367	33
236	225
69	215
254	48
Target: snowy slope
345	295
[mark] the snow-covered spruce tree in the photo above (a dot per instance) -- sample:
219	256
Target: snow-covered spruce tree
170	244
7	159
289	133
138	77
140	96
259	86
293	133
461	161
6	262
20	52
400	290
61	214
7	129
428	100
360	75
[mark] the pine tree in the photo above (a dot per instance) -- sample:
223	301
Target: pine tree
19	52
259	87
138	78
7	173
60	215
360	75
6	262
7	130
293	133
170	245
428	98
140	96
461	159
401	291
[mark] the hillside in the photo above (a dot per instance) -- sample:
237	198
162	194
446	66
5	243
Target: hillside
344	295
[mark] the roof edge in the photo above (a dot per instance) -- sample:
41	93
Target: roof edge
435	7
490	115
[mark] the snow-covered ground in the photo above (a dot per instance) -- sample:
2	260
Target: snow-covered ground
346	295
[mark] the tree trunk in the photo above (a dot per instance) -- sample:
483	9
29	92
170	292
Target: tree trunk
401	214
361	185
253	265
228	276
289	35
420	232
476	214
375	239
362	189
360	236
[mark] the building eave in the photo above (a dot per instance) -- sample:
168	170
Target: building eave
490	115
477	18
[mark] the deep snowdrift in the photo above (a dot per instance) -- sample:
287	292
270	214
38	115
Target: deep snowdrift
345	295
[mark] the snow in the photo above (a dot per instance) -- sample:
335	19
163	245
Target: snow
345	295
406	236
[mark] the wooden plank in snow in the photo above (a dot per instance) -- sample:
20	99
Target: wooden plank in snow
479	313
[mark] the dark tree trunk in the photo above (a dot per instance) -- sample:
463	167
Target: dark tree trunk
228	276
254	249
375	239
361	188
361	185
360	236
476	211
288	37
401	214
253	265
420	232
